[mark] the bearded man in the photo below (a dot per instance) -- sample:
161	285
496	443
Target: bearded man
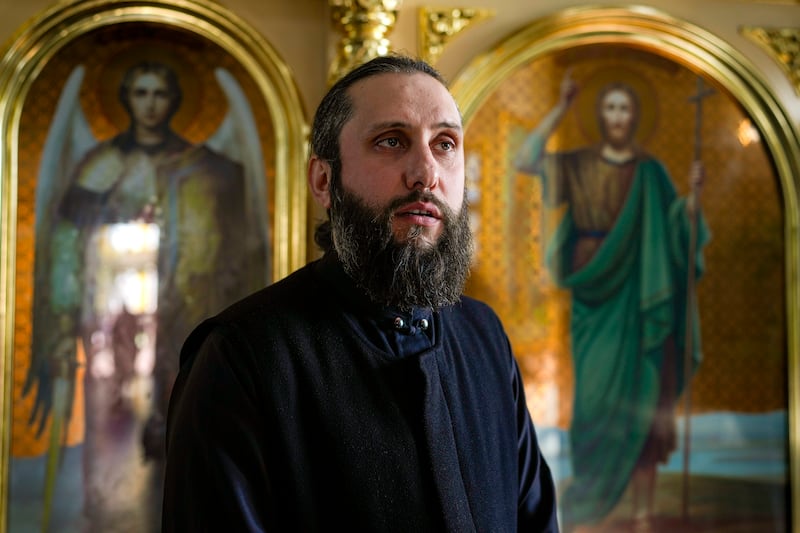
363	392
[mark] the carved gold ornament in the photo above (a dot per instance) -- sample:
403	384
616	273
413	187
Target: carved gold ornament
438	26
783	44
364	25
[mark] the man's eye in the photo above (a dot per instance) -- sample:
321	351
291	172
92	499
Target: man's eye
446	146
391	142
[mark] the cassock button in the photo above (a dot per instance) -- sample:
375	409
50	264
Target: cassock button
423	324
399	323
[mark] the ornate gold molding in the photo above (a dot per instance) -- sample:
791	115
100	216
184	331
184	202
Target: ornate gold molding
783	44
438	26
364	25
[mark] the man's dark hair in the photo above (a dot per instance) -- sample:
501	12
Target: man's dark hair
336	108
161	70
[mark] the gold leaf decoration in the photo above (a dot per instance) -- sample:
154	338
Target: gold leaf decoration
438	26
783	44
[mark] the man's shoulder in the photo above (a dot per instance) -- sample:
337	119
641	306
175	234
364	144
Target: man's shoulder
297	291
287	304
472	330
471	310
471	304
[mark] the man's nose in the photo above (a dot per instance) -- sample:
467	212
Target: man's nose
423	169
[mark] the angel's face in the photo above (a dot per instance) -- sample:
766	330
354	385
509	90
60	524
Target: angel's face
149	100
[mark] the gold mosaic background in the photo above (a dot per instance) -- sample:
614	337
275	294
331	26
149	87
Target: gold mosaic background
741	296
106	54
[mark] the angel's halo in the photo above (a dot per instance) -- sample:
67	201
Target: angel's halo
105	79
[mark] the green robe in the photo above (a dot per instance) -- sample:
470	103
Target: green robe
628	314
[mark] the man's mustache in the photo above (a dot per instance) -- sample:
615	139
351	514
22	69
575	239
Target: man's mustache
420	196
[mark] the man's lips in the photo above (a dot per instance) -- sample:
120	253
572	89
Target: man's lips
422	213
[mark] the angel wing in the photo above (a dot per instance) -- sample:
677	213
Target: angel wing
237	138
68	139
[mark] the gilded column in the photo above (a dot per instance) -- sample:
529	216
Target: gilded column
364	25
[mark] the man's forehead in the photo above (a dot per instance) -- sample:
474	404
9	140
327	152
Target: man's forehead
394	96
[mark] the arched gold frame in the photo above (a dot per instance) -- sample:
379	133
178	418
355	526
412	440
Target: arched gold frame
29	50
650	29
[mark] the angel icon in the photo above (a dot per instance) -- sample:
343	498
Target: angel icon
207	203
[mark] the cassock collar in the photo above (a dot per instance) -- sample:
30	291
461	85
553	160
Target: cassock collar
418	319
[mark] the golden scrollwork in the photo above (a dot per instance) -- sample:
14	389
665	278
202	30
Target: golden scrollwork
783	44
364	25
438	26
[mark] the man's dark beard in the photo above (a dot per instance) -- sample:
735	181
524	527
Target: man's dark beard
407	274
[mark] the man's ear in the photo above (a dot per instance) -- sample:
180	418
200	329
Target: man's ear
319	180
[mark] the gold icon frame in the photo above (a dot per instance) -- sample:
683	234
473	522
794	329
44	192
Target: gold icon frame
267	81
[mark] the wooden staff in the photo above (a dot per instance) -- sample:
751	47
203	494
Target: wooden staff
688	350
